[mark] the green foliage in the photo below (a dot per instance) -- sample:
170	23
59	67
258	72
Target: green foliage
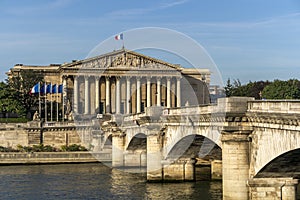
8	101
13	120
251	89
73	147
36	148
7	149
277	89
282	90
19	90
43	148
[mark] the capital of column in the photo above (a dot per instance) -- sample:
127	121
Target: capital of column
107	78
168	78
97	78
86	77
118	77
128	78
75	78
178	78
148	78
138	78
158	78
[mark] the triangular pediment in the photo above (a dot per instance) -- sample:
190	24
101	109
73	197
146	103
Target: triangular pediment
124	59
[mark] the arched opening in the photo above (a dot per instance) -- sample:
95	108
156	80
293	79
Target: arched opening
283	166
108	144
136	152
138	142
205	152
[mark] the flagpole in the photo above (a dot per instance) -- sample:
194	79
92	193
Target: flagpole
40	106
45	95
51	108
56	102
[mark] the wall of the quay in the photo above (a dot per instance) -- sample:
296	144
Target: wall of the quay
52	157
12	135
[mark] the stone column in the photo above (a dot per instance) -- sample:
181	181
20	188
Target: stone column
138	94
64	96
86	95
148	92
75	104
235	161
168	92
128	94
158	85
118	95
97	100
178	94
107	94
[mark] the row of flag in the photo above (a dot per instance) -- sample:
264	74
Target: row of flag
46	89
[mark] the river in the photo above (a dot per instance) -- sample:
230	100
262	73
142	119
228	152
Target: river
94	181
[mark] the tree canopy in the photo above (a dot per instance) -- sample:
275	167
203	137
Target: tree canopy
276	89
19	87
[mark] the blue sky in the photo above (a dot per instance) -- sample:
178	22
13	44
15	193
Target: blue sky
248	40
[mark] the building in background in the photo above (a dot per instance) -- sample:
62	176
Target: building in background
122	82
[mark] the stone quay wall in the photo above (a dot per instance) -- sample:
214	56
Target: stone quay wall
52	157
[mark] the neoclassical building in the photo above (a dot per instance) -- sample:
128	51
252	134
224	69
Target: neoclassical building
123	82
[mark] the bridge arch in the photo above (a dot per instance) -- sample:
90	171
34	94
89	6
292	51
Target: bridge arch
174	135
107	145
284	165
195	146
269	144
137	142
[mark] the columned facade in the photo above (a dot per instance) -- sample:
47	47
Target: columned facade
124	82
132	100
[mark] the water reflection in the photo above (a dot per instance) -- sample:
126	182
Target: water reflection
94	181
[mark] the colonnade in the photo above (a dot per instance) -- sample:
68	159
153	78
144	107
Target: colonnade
105	95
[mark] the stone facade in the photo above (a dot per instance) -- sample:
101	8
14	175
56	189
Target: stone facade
122	82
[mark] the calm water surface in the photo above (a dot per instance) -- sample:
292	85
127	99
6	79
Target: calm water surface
94	181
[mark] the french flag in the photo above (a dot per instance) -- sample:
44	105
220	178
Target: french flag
35	89
119	37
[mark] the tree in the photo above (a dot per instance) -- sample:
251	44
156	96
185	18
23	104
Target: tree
282	90
228	88
8	102
20	86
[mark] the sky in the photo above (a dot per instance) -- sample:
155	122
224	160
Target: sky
249	40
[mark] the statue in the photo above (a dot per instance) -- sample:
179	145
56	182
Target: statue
36	116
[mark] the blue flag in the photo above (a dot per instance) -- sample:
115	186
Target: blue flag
54	89
49	88
60	88
43	89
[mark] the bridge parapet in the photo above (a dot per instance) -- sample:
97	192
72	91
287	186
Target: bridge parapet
274	106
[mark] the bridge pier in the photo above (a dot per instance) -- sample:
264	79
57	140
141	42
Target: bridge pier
117	150
154	157
216	170
180	170
135	159
235	160
273	188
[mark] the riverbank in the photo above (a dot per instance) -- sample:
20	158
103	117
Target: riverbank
15	158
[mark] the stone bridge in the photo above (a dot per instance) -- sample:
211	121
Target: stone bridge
257	141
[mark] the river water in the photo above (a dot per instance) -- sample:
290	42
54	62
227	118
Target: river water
94	181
